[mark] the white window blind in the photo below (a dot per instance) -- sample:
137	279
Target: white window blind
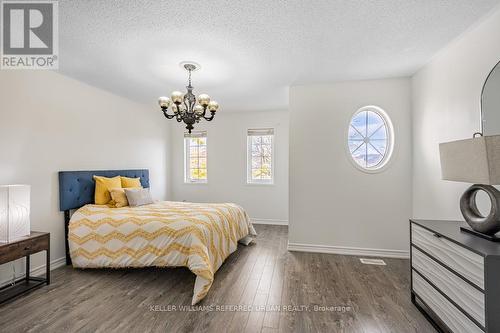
261	132
196	134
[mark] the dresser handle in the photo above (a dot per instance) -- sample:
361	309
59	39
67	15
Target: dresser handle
27	248
437	235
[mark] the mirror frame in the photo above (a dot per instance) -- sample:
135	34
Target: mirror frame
481	120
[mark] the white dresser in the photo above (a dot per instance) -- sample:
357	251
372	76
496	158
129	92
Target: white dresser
455	277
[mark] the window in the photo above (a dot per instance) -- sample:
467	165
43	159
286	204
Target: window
195	157
370	138
260	156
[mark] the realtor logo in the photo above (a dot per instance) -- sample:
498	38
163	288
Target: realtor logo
29	35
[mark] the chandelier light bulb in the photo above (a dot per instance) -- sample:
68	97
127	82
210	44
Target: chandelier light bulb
164	102
203	99
177	97
198	109
213	106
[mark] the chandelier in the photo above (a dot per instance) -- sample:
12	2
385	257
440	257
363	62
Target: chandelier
186	107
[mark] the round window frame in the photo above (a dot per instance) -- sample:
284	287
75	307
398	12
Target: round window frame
380	167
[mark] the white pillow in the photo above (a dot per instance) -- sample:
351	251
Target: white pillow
138	196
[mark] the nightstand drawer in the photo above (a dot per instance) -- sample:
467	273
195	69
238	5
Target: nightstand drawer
33	245
23	248
464	262
470	299
447	312
9	252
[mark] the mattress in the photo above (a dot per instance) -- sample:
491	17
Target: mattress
164	234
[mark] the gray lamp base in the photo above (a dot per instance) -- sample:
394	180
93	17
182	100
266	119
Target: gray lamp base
482	226
478	234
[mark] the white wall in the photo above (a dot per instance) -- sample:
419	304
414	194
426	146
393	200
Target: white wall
49	122
227	150
446	99
333	204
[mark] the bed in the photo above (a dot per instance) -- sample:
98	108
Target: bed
164	234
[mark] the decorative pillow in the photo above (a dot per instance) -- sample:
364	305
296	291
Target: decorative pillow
102	187
138	197
130	182
119	199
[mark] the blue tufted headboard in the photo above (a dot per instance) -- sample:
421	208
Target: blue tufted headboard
76	188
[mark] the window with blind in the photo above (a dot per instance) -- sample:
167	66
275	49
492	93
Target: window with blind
195	157
260	156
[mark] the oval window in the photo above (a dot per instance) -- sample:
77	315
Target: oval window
370	138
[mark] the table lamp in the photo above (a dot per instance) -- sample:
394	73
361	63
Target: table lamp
14	212
476	161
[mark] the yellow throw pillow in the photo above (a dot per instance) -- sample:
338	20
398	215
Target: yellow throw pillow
130	182
102	187
119	199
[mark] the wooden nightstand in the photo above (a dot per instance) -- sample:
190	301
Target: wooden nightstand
24	247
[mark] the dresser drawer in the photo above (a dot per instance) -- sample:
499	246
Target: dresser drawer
463	294
466	263
447	312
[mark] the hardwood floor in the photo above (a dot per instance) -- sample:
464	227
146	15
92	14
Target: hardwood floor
375	298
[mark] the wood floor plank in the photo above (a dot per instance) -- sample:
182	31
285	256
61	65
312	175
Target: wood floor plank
271	318
274	283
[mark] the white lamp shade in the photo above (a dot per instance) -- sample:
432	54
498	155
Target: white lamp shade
14	212
474	160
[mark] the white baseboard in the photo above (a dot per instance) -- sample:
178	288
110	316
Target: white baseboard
40	270
53	265
269	221
352	251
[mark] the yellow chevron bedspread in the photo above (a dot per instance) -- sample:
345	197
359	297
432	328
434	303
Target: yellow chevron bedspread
193	235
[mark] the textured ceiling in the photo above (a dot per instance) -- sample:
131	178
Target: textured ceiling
252	51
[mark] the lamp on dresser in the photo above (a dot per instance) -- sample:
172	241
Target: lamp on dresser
455	267
475	161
